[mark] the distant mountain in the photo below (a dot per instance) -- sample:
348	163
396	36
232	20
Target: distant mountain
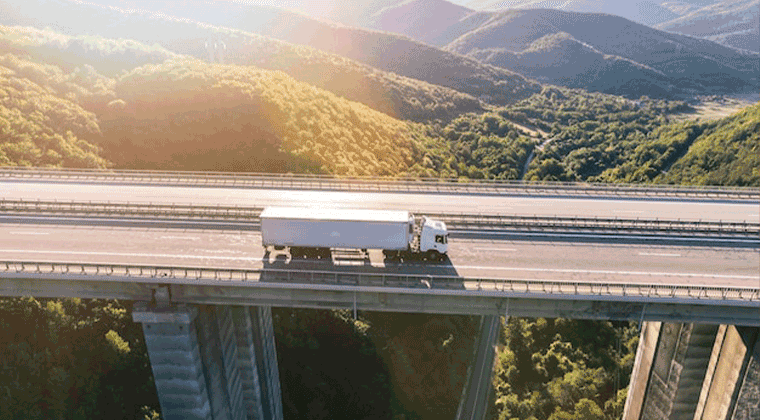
561	59
423	20
643	11
731	22
354	13
681	7
690	65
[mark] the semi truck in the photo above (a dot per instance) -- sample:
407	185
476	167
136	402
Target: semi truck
315	232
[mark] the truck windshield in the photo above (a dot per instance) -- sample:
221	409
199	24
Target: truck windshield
442	239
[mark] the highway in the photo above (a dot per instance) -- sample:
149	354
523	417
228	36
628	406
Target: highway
419	202
470	258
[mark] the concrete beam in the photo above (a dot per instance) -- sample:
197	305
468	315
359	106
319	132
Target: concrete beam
467	303
387	299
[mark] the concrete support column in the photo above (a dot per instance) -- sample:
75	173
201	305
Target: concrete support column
266	357
642	368
732	391
747	405
175	359
257	358
212	362
218	349
699	372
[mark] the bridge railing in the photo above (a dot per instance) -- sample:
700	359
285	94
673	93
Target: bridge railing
641	292
372	183
453	220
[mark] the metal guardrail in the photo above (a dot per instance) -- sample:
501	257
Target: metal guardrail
126	209
599	224
748	230
379	184
737	296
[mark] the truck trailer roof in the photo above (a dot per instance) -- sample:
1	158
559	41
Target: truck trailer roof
358	215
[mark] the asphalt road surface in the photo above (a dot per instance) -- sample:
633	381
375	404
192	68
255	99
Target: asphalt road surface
416	202
468	258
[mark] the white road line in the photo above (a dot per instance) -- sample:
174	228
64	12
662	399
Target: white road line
580	235
187	238
126	254
654	254
628	273
29	233
480	248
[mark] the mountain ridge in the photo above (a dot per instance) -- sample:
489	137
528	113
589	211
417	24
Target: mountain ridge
691	63
734	23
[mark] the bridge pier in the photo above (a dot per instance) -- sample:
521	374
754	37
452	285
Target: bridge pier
212	362
695	371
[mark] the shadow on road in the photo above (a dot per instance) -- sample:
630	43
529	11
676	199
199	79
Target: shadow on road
354	267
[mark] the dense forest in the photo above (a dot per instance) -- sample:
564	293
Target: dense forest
73	358
560	369
93	102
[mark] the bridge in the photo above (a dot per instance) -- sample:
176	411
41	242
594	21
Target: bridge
684	261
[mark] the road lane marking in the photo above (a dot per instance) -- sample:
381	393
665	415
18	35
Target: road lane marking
482	248
629	273
517	233
29	233
654	254
126	254
191	238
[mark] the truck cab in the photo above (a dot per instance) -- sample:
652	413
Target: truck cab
434	238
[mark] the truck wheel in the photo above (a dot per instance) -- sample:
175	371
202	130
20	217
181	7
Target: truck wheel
433	255
324	253
296	252
392	255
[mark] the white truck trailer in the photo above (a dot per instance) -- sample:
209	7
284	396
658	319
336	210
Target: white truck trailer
313	232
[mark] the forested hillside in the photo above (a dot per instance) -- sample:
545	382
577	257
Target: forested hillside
191	115
184	113
386	92
39	128
340	71
726	152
